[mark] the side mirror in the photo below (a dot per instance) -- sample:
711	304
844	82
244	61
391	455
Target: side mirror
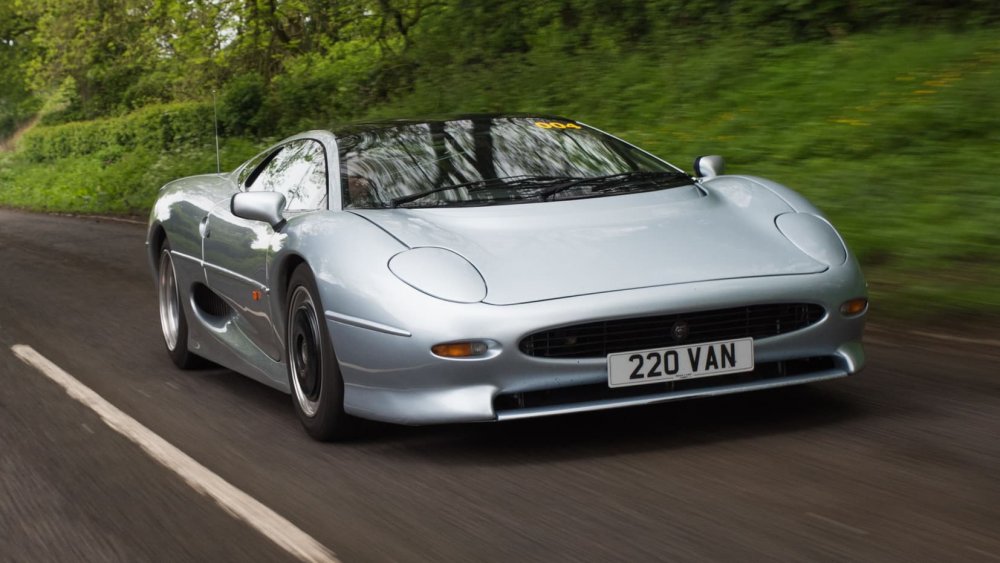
259	206
709	166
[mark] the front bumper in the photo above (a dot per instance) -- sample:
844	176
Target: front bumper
392	375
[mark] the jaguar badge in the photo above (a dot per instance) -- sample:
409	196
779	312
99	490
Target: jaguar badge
680	331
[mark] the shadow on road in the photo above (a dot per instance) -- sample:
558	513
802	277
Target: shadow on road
610	433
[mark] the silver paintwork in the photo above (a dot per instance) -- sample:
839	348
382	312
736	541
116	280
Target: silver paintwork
720	242
440	273
259	206
362	323
814	236
709	166
604	244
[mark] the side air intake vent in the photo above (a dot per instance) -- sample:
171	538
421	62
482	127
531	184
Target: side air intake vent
209	302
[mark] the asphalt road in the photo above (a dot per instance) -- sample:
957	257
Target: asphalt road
901	463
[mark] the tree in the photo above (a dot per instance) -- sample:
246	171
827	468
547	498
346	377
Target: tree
16	100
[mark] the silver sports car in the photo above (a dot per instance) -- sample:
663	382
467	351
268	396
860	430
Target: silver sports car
496	267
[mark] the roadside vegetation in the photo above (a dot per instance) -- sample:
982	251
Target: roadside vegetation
885	114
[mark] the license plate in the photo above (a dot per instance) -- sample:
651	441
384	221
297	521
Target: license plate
680	362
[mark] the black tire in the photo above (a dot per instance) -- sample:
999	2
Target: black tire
173	320
313	371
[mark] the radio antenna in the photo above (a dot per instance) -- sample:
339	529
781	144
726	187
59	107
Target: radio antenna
215	115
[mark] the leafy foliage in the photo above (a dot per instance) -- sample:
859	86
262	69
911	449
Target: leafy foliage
16	101
242	107
317	59
164	128
884	113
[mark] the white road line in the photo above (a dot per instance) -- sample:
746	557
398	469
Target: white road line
936	336
858	531
239	504
950	338
981	552
101	218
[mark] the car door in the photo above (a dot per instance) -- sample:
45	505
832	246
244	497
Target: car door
236	250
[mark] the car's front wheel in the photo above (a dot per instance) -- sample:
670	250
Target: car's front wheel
313	371
172	319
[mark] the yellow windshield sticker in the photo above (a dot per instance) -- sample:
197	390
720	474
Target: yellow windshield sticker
556	125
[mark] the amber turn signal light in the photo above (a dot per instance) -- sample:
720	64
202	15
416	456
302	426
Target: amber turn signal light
460	349
853	307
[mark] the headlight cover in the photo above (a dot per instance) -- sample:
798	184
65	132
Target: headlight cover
440	273
813	236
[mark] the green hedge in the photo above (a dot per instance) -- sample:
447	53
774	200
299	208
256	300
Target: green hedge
166	127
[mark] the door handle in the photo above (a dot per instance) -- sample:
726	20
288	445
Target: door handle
203	227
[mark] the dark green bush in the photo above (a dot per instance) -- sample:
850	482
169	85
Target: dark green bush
164	127
242	106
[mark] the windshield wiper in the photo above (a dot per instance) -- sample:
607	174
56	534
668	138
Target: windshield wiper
615	181
511	182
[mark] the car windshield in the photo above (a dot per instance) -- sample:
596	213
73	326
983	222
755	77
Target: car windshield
491	160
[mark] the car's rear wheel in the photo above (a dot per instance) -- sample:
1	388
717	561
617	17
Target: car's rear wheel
313	371
173	322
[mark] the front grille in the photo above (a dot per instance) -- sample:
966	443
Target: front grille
561	396
598	339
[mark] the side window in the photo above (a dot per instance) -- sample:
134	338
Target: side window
297	170
247	174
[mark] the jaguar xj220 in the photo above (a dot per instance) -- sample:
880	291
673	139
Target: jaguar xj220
497	267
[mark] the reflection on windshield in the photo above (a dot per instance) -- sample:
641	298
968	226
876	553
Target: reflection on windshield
488	160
